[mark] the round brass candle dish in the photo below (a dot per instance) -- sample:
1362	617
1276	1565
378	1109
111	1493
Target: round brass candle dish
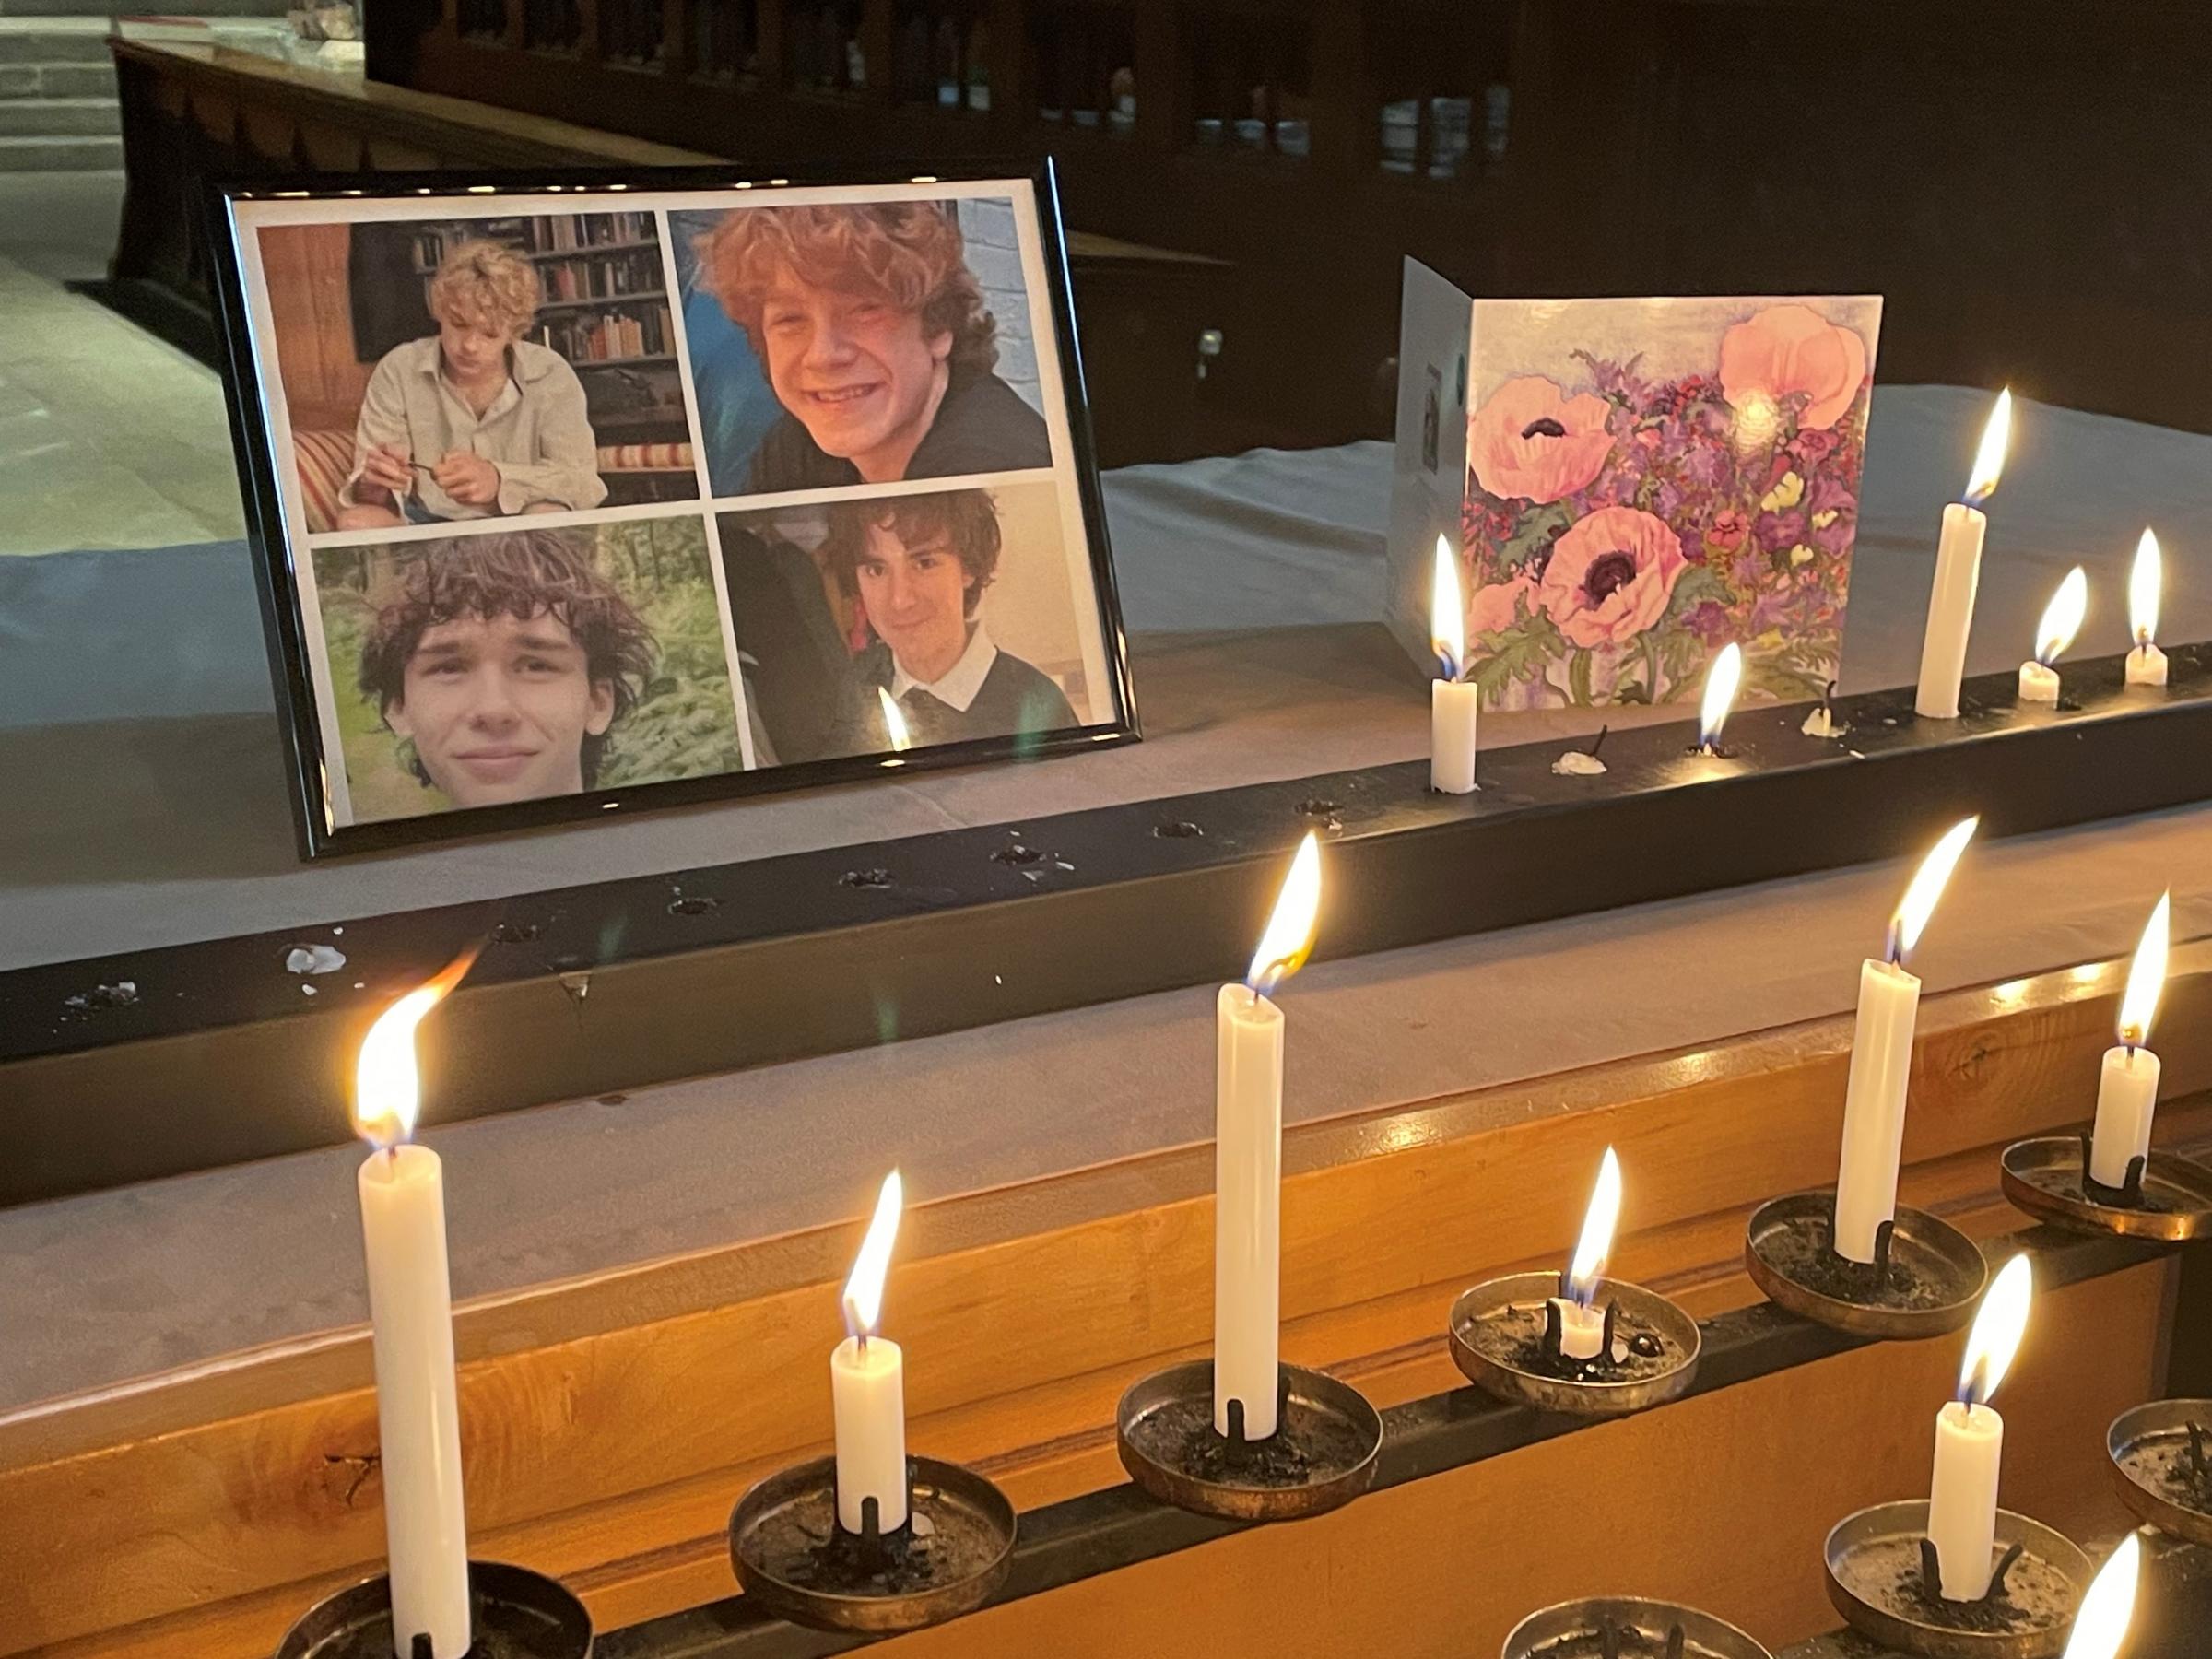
2161	1462
1322	1453
794	1559
1627	1627
1497	1334
513	1614
1877	1581
2047	1177
1929	1284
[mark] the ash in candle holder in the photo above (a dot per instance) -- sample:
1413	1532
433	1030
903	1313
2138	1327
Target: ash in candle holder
794	1559
2166	1196
1883	1578
1924	1281
2161	1463
513	1614
1627	1628
1321	1455
1505	1337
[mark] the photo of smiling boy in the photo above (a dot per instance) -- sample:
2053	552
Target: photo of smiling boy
503	665
475	421
917	567
877	342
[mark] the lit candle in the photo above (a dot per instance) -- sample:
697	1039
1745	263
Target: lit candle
1248	1155
1957	574
1720	681
1452	700
402	1191
894	726
1581	1324
1881	1062
2127	1094
2102	1625
2146	663
867	1385
2062	622
1970	1442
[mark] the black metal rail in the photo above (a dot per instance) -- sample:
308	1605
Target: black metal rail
607	988
1100	1532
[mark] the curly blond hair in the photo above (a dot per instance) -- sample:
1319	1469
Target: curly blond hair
910	254
487	281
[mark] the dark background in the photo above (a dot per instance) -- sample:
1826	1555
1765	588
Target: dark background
2024	180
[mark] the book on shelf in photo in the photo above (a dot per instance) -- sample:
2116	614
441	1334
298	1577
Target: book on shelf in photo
638	331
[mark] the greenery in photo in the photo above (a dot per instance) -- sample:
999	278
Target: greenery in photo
683	725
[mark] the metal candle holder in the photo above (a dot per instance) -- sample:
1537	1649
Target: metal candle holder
794	1559
1322	1453
2161	1459
1882	1578
513	1614
1925	1280
1620	1626
1504	1336
2166	1196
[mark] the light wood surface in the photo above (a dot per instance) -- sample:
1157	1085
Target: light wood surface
609	1425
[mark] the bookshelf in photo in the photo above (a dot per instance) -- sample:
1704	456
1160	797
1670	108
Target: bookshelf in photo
606	312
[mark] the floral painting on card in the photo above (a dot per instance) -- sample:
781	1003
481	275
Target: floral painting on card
1649	479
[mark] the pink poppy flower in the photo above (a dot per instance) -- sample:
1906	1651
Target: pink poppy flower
1788	349
1494	608
1611	576
1533	442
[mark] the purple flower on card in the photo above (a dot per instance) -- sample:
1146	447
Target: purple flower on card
1778	531
1709	619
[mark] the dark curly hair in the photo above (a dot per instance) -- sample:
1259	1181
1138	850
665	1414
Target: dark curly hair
965	520
522	574
908	253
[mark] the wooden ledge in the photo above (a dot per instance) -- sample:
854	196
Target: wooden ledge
612	1422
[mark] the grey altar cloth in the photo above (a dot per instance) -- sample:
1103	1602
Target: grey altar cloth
136	730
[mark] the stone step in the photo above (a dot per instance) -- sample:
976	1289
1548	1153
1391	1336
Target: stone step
60	155
53	40
55	80
59	117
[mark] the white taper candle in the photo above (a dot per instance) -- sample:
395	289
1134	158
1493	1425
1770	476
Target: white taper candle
1873	1107
1950	612
419	1416
1248	1152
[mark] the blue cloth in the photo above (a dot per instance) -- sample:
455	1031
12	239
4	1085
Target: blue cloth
736	405
103	635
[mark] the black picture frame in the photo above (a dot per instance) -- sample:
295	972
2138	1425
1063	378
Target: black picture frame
277	547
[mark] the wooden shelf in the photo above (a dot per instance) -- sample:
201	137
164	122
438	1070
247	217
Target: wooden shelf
601	303
609	1422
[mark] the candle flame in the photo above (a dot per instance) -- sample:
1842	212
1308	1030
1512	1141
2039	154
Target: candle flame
2062	616
2143	585
1989	460
1998	1328
894	722
2145	976
387	1087
1289	935
864	1290
1919	902
1720	681
1448	613
1596	1242
2102	1625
